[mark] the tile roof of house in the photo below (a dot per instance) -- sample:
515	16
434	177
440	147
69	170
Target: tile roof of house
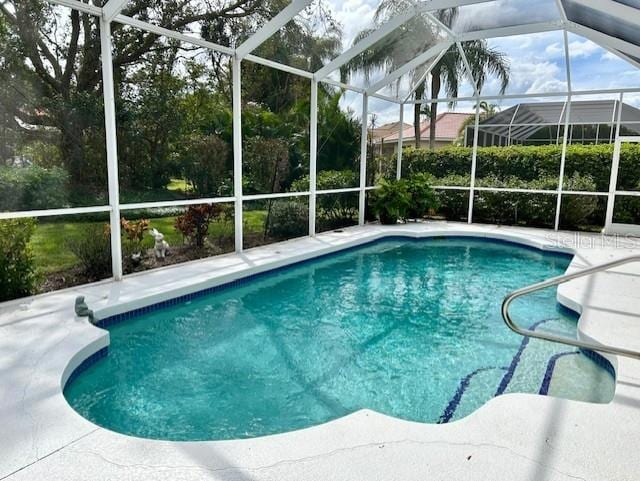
447	127
386	130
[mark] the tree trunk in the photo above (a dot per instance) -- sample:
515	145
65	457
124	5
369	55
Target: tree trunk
433	114
416	114
72	150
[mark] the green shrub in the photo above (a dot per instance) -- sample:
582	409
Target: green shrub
627	210
32	188
93	250
515	207
423	198
327	179
391	201
527	162
576	210
289	218
333	210
17	269
206	165
534	209
265	165
588	168
453	204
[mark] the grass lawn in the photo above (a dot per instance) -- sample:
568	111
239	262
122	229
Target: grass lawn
51	254
179	184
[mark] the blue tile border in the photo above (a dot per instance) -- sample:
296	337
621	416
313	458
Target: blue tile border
600	360
115	319
86	364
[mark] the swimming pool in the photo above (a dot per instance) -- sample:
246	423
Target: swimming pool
409	328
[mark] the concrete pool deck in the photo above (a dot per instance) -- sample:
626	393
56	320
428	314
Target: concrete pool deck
512	437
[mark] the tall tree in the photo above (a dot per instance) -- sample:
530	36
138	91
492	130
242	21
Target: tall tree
55	57
416	36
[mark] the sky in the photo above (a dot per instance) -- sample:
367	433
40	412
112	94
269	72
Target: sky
537	61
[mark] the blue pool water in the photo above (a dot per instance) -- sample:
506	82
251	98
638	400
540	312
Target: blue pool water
407	328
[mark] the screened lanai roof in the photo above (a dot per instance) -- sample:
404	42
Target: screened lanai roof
522	121
614	25
617	19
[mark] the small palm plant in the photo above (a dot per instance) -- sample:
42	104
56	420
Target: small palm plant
391	201
423	197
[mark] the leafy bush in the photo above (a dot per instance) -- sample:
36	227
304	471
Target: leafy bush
328	179
391	201
32	188
289	218
526	162
576	210
627	210
266	165
93	250
332	210
527	167
423	198
17	270
133	232
452	204
194	224
206	166
519	208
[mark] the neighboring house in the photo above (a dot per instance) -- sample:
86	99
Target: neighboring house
541	123
448	125
381	133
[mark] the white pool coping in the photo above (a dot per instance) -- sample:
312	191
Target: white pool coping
512	437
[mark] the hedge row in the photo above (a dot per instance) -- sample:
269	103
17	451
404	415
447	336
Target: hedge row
529	163
514	208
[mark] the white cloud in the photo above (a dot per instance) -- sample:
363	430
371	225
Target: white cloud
577	49
609	56
554	50
583	48
354	16
504	13
536	76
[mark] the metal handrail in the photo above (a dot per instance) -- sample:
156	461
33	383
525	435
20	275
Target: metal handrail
563	339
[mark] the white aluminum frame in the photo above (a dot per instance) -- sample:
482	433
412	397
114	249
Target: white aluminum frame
567	120
111	147
364	139
236	69
113	8
313	156
111	12
271	27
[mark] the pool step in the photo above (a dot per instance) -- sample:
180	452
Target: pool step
545	369
595	386
528	367
473	390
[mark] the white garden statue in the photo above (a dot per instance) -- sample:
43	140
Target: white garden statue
161	246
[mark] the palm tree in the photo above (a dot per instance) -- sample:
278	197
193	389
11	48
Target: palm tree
486	109
418	35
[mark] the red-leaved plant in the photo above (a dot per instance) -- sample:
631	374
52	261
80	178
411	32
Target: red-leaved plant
194	223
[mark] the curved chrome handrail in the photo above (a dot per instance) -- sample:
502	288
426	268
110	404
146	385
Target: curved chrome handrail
563	339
